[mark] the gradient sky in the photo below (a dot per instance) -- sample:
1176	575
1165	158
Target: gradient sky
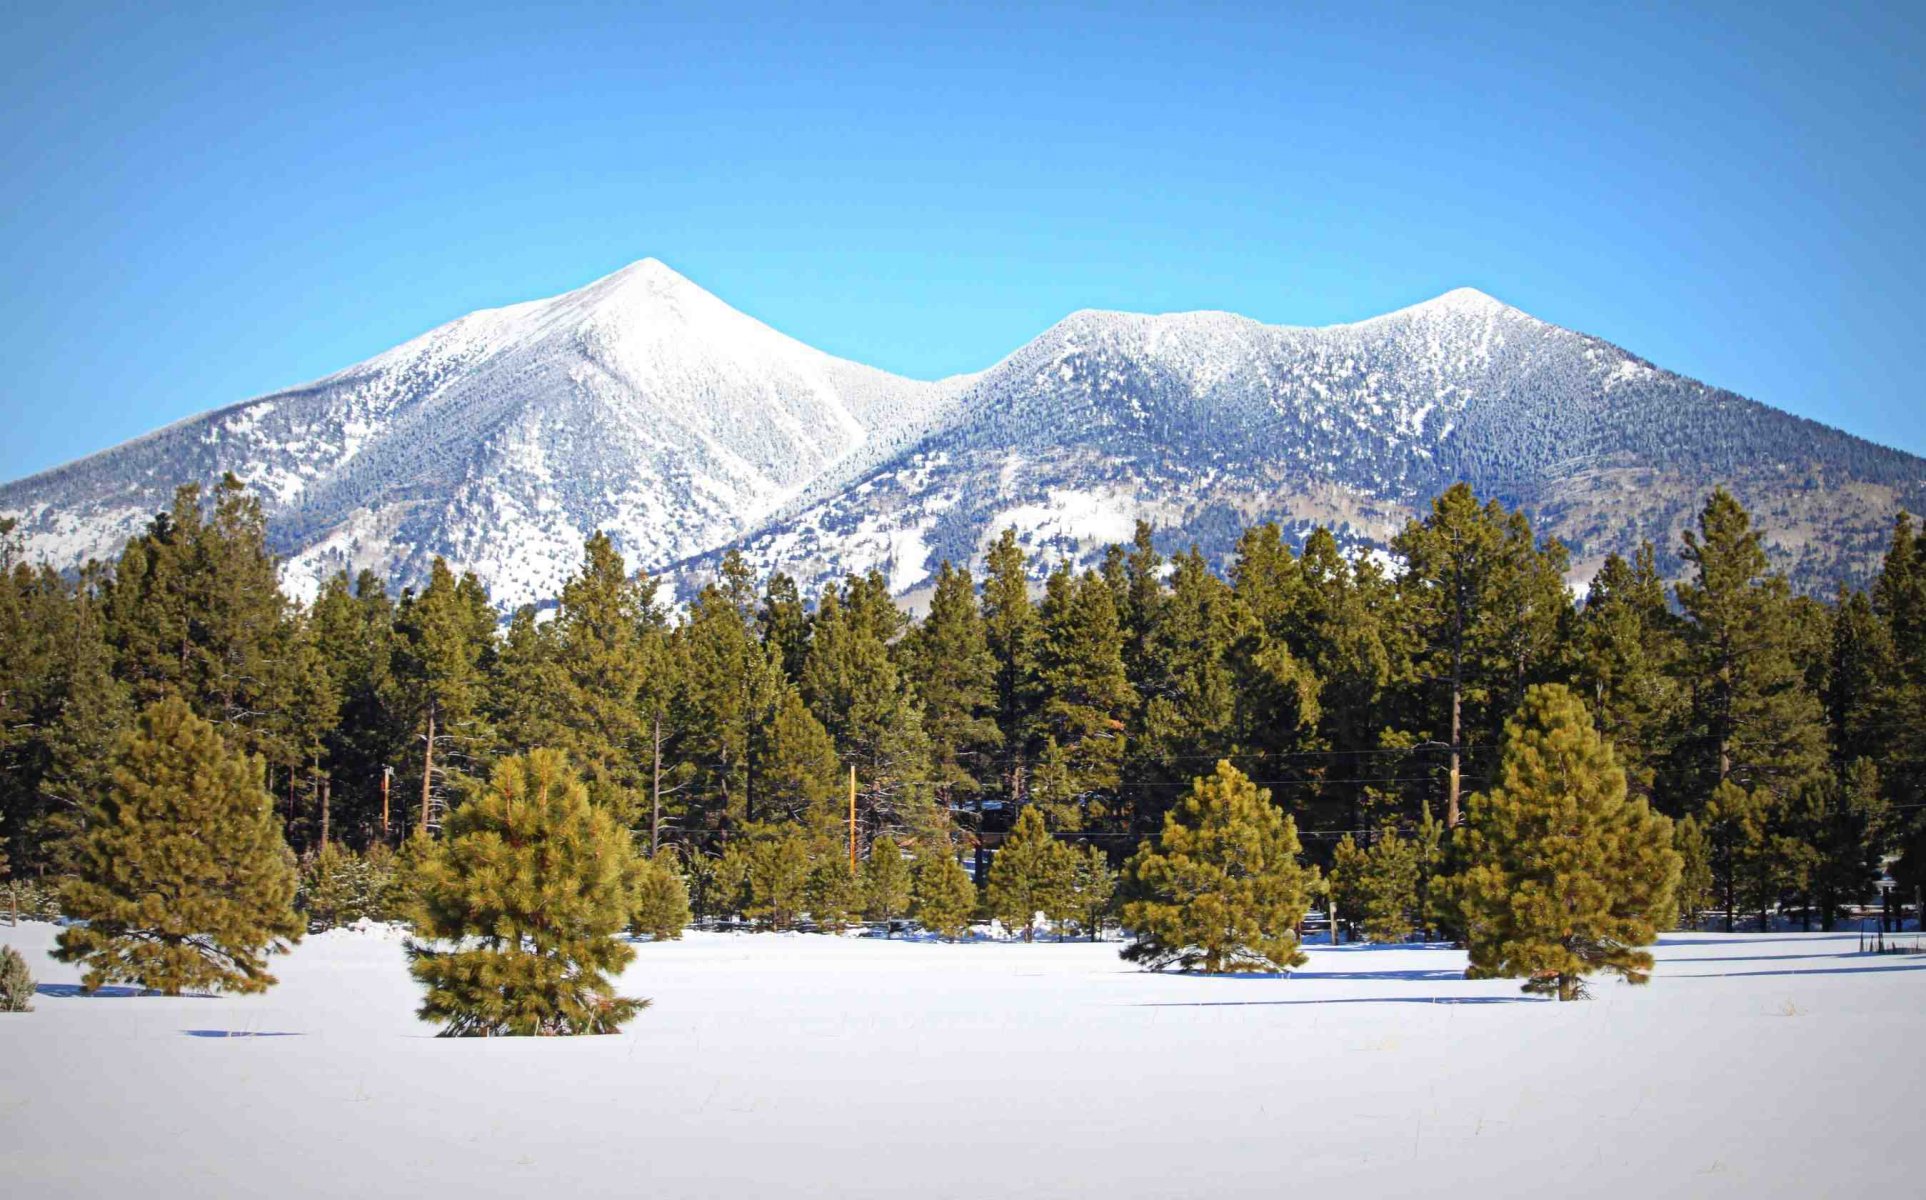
202	206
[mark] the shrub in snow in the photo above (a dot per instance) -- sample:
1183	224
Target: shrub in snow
181	876
16	982
1563	874
1221	889
518	908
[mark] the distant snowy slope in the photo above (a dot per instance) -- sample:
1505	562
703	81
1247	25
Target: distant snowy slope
643	405
640	404
1206	422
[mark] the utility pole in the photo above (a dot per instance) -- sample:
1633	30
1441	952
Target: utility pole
852	818
387	773
655	793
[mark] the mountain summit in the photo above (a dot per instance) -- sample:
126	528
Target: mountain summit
643	405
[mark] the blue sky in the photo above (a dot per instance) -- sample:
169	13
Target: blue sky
203	206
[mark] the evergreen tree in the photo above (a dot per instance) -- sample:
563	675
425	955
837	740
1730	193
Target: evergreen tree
1488	605
886	881
1564	876
948	656
834	893
1094	886
1628	657
1376	887
1696	892
1844	836
1011	630
519	908
446	643
16	982
332	888
783	625
764	874
182	880
660	907
1221	889
726	688
1188	686
942	898
1086	698
1754	722
1032	873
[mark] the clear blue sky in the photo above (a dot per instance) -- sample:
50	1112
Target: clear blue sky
202	206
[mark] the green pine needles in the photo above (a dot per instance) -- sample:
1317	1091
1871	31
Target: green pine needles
1563	875
1221	889
181	875
519	908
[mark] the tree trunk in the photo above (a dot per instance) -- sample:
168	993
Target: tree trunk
427	769
327	787
655	793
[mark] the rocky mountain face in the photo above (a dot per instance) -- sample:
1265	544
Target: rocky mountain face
643	405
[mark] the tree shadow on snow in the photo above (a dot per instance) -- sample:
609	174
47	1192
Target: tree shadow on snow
1348	1000
1685	941
1918	966
73	991
238	1033
1735	958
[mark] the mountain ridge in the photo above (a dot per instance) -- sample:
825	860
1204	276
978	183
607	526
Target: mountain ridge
643	404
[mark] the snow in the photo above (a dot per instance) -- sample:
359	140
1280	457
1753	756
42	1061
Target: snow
1753	1066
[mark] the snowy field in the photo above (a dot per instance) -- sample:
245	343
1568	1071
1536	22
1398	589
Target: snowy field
1754	1065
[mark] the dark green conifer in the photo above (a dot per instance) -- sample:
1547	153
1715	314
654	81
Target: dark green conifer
519	908
1221	889
942	898
181	880
1032	874
1564	876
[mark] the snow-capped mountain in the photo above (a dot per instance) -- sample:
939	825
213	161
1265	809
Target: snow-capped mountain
639	404
643	405
1204	423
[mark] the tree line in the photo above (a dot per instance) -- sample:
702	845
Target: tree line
734	742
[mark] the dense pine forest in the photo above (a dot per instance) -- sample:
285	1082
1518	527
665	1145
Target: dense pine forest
759	750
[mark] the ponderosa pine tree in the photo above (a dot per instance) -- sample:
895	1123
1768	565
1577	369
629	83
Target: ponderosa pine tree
1488	604
942	897
1564	876
763	876
1032	873
1094	885
1221	889
1086	699
1376	886
886	881
182	881
1627	653
446	643
948	658
833	892
1011	629
1754	721
1696	892
519	908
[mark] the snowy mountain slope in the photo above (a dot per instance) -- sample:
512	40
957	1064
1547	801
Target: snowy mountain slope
1205	422
644	405
640	404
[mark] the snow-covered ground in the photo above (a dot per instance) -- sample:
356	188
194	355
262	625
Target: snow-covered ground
1754	1065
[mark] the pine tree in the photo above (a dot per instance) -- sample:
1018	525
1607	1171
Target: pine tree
660	907
1221	890
942	898
1086	698
1628	651
764	875
834	893
1696	893
332	888
886	882
1032	873
1010	628
1094	885
1564	876
1846	819
446	638
948	657
1376	887
16	982
1754	722
1488	605
519	908
182	879
1187	681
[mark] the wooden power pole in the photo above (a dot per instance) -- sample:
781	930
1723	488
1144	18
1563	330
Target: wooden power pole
387	773
852	818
